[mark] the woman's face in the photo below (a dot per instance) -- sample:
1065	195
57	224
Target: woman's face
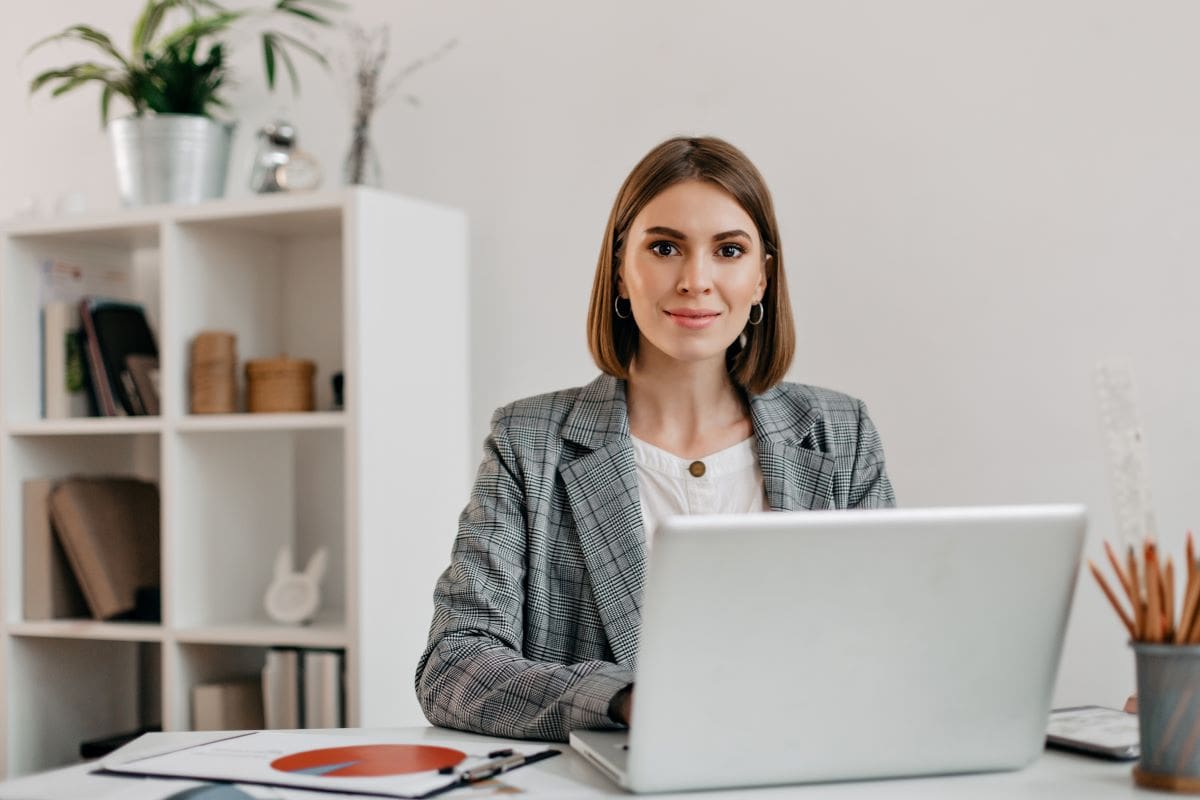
692	267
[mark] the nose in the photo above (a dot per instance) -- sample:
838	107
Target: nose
695	276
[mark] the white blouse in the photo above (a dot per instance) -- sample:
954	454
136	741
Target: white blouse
726	482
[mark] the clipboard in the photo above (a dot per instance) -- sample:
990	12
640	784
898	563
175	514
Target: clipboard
373	766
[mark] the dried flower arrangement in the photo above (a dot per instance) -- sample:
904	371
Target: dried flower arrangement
369	52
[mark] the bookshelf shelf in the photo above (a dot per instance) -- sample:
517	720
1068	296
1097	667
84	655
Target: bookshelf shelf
88	629
88	426
327	635
315	420
378	485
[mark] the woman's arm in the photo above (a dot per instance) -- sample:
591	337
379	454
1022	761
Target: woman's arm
869	484
472	675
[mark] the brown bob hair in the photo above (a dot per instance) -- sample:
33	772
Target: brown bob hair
763	359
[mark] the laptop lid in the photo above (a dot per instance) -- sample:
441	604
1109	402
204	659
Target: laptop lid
814	646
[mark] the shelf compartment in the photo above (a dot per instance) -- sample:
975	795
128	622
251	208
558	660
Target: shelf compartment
75	690
279	291
88	629
263	489
59	456
196	663
118	261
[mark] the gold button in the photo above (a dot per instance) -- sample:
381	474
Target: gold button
697	469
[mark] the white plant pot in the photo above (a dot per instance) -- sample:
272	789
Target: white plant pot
170	158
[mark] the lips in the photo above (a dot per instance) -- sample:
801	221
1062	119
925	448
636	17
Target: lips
692	318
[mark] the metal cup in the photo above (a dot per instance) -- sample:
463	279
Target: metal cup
1168	682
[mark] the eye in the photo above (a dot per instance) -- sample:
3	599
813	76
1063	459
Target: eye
664	249
731	250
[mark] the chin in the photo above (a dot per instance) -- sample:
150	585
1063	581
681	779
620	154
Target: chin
693	351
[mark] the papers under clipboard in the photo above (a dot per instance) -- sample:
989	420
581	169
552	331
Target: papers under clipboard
370	766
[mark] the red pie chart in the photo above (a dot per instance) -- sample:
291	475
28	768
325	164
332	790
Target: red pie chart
369	760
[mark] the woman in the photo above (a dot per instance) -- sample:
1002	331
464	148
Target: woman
536	621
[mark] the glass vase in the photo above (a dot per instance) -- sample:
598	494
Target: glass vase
361	167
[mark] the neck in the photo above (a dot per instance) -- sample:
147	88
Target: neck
681	404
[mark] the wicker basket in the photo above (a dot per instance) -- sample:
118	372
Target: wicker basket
212	379
280	384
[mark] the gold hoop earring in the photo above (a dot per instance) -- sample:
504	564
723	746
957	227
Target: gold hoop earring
617	308
762	312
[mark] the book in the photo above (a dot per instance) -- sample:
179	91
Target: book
49	588
101	388
323	689
109	529
85	372
143	373
281	688
116	330
233	705
63	392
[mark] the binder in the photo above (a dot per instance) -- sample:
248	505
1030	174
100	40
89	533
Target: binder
49	588
323	689
281	688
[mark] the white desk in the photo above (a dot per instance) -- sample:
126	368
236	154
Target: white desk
1055	776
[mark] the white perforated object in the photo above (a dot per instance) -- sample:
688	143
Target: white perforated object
1125	443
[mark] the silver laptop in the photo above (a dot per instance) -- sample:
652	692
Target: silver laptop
840	645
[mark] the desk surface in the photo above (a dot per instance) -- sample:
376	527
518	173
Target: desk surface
1055	776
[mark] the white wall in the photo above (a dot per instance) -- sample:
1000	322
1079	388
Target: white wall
979	200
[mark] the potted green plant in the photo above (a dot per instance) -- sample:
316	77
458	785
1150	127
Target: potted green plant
173	148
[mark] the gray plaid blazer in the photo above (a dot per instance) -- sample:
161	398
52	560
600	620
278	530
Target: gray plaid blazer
536	620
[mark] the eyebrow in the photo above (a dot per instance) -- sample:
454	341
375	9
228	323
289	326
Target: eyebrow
660	230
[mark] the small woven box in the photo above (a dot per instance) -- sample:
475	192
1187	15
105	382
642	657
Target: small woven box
280	384
212	376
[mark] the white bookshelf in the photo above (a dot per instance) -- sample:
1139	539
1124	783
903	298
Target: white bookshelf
359	281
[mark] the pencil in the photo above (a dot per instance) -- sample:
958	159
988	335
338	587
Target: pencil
1139	607
1112	598
1169	602
1191	553
1122	576
1153	631
1191	634
1189	608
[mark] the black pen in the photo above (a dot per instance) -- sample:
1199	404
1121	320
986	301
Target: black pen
490	769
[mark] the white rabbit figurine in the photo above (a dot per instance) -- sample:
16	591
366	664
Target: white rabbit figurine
293	597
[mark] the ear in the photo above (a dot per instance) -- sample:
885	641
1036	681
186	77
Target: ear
761	288
283	562
316	565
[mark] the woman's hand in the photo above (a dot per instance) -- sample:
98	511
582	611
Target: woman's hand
621	707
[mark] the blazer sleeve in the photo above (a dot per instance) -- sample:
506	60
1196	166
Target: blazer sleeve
473	675
869	484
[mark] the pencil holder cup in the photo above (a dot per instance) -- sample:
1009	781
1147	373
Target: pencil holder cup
1168	683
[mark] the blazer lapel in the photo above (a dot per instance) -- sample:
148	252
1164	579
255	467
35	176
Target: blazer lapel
602	490
797	476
